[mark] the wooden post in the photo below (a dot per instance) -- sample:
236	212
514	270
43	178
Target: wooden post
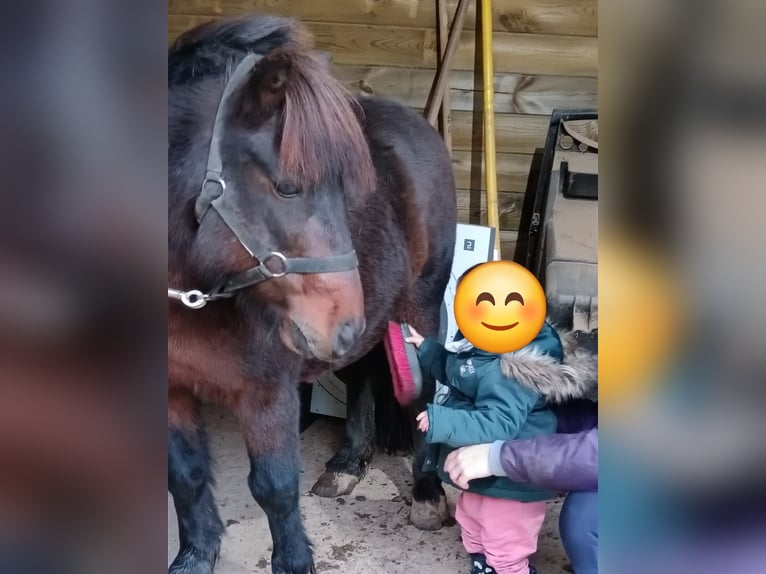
490	167
442	25
440	84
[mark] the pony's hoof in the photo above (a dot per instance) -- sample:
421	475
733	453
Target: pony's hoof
332	484
305	566
307	570
190	563
429	514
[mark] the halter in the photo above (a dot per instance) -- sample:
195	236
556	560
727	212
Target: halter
214	196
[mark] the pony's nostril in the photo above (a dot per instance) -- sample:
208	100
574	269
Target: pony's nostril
299	339
345	336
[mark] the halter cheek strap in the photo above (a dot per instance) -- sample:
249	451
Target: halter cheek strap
214	195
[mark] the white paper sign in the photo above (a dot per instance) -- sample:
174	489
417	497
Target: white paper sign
474	244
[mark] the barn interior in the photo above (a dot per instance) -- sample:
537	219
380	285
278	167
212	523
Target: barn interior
544	74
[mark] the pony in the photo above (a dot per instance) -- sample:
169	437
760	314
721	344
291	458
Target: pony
301	220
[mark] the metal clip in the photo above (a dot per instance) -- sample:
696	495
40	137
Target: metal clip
194	299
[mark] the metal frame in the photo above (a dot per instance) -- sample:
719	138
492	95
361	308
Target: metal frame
532	257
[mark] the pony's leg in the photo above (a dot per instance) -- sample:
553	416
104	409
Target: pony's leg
349	465
189	478
270	418
429	501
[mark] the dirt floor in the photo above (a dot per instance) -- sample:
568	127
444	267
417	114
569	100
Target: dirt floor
367	531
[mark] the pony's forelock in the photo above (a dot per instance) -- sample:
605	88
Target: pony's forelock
322	135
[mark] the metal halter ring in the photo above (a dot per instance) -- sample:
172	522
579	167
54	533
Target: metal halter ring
283	264
194	299
217	180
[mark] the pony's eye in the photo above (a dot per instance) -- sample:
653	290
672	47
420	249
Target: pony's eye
287	190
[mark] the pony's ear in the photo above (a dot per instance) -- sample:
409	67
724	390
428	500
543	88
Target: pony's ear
265	90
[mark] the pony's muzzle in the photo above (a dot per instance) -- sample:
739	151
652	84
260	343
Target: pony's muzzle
345	336
307	343
326	314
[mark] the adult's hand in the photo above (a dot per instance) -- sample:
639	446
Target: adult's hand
468	463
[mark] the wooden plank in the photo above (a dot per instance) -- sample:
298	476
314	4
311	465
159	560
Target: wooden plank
534	54
377	45
512	171
513	133
566	17
514	93
472	208
413	13
529	54
508	241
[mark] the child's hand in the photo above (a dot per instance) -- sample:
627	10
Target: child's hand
415	338
422	419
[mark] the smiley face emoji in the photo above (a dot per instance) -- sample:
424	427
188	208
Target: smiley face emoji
500	306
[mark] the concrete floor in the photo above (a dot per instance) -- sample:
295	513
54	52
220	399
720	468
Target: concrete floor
365	532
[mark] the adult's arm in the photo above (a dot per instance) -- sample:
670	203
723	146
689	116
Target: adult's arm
556	462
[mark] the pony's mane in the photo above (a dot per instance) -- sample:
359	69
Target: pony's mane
322	136
209	49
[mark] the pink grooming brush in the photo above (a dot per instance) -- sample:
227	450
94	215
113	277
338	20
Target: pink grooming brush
403	361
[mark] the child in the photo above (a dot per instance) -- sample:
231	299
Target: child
500	520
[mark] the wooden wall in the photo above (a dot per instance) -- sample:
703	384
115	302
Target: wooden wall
545	58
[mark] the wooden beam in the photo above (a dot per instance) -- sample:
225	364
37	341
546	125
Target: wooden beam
442	36
508	241
513	133
441	82
565	17
354	44
471	210
512	171
514	93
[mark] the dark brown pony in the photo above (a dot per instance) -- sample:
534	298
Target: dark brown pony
312	173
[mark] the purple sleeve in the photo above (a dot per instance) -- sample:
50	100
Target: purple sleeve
555	462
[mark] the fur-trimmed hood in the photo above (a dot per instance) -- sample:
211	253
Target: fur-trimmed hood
574	378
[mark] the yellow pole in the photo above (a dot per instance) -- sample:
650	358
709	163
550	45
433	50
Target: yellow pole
493	214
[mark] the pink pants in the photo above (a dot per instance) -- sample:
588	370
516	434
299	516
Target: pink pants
504	530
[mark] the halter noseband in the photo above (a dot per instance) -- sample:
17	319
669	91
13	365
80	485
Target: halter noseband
213	195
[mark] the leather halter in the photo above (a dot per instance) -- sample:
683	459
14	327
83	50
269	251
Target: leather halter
214	195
